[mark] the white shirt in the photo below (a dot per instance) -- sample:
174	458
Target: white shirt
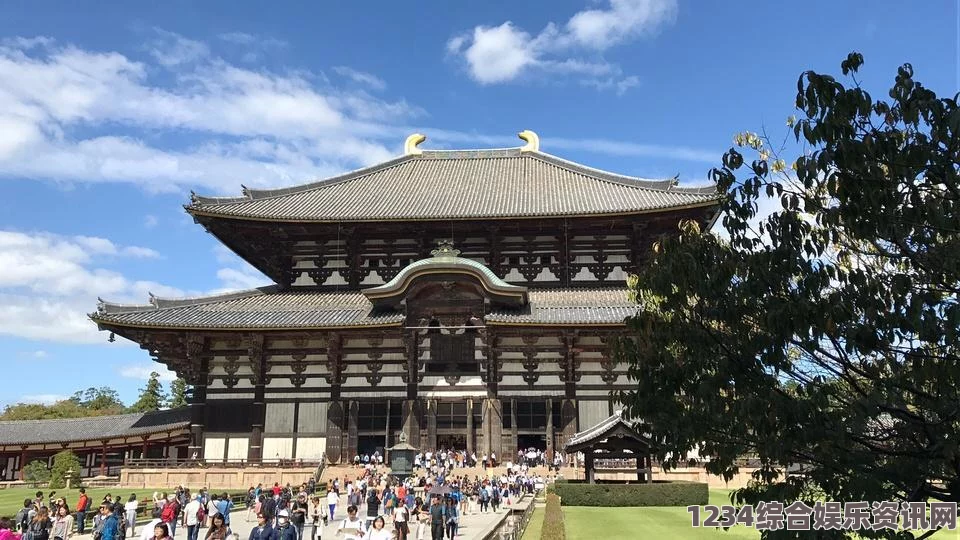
191	511
356	523
400	514
382	534
131	505
333	498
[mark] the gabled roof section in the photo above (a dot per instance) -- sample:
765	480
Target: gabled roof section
460	184
446	260
614	425
269	308
26	432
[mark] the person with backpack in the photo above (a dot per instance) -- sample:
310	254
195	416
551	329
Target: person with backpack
169	514
24	516
193	514
40	525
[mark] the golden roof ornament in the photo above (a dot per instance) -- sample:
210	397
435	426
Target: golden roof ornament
533	141
445	249
410	146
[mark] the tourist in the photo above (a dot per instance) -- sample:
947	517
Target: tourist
438	513
318	518
150	529
62	525
351	528
161	532
285	530
169	514
83	505
298	513
211	509
401	515
40	525
131	513
422	517
6	530
25	516
263	530
219	530
193	517
379	531
453	518
109	524
224	505
333	497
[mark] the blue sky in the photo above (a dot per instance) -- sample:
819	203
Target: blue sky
111	112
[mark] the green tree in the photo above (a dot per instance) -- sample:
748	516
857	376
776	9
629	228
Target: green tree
37	471
151	396
178	393
62	462
826	334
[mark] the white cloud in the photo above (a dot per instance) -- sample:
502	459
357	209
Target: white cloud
50	92
499	54
41	399
236	273
150	221
362	77
48	283
33	355
143	371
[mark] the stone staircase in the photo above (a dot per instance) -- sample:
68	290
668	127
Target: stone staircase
348	471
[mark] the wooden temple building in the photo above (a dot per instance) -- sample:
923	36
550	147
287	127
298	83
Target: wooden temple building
466	298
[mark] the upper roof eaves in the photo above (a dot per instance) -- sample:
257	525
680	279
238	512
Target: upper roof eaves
233	206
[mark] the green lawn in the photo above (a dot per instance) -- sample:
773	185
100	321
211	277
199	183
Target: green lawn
533	529
11	500
589	522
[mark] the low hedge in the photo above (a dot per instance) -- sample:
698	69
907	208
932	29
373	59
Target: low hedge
553	520
656	494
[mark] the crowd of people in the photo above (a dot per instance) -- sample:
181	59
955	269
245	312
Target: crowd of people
429	504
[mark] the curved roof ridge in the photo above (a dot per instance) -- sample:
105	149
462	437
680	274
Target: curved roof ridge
259	194
158	303
666	184
476	153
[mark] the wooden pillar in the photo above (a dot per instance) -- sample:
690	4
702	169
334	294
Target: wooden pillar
23	463
103	459
353	414
413	364
431	417
197	358
549	431
493	427
514	436
335	428
258	419
386	434
411	421
649	468
469	426
588	467
568	420
143	449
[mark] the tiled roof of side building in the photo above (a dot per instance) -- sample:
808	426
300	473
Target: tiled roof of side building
461	184
269	308
25	432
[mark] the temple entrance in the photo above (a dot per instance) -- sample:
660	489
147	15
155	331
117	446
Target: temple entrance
525	442
452	441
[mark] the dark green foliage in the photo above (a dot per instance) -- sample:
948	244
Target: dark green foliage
552	520
655	494
90	402
62	462
151	396
826	334
178	393
37	471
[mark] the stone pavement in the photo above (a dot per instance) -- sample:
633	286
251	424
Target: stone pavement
472	526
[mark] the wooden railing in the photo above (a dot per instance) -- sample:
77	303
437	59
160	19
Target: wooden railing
159	463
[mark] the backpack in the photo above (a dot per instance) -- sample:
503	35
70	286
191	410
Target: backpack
23	518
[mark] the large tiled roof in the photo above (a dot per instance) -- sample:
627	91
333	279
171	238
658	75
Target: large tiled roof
26	432
462	184
269	308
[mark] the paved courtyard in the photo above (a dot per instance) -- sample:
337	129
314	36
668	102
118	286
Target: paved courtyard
472	526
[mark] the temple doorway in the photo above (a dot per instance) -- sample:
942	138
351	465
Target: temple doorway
452	441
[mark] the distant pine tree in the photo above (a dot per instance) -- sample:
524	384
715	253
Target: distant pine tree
178	393
152	396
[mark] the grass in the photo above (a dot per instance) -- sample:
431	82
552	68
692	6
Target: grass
535	526
11	500
588	522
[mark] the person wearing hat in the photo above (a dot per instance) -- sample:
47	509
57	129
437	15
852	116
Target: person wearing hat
285	529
